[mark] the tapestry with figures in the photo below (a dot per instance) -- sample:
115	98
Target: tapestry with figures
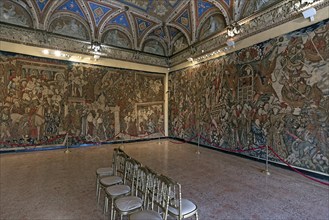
47	102
274	94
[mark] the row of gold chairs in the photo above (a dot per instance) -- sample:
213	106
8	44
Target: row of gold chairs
139	192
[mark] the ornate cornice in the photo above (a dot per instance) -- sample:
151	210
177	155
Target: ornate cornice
274	16
44	39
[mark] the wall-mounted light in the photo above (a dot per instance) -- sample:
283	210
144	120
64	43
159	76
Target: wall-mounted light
46	52
57	53
96	57
95	46
309	13
233	29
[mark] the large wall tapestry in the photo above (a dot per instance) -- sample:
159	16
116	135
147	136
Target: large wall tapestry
275	93
44	102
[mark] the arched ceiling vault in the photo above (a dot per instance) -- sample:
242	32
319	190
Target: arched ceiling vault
168	25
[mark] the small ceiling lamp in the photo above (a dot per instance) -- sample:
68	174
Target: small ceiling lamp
96	47
233	29
57	53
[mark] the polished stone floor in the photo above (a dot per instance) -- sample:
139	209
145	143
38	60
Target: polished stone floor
54	185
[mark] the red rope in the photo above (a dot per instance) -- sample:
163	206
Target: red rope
296	170
28	145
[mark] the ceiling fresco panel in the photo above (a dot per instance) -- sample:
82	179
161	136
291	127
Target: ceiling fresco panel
250	7
176	24
154	47
69	26
117	38
215	23
13	13
160	9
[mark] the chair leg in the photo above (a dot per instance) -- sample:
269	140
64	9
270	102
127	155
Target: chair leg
106	204
112	207
196	216
97	186
114	214
99	194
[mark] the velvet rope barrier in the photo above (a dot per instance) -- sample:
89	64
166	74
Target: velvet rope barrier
296	170
230	150
280	158
31	145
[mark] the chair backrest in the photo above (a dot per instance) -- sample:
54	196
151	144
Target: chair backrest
161	190
151	184
139	185
131	166
175	196
120	158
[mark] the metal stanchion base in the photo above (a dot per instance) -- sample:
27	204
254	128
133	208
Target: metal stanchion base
266	172
198	152
67	151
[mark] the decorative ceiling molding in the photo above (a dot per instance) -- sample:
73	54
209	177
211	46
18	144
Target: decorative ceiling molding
30	22
272	17
43	39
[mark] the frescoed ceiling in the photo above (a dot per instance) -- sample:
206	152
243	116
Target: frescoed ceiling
156	27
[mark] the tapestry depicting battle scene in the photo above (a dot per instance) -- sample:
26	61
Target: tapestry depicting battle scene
47	102
272	94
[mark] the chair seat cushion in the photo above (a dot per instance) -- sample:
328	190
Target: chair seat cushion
104	171
117	190
187	207
128	203
145	214
110	180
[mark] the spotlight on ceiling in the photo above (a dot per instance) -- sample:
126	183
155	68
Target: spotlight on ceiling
309	13
190	59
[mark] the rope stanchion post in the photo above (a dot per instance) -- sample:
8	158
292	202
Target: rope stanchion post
266	166
66	144
266	171
159	141
198	149
121	145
